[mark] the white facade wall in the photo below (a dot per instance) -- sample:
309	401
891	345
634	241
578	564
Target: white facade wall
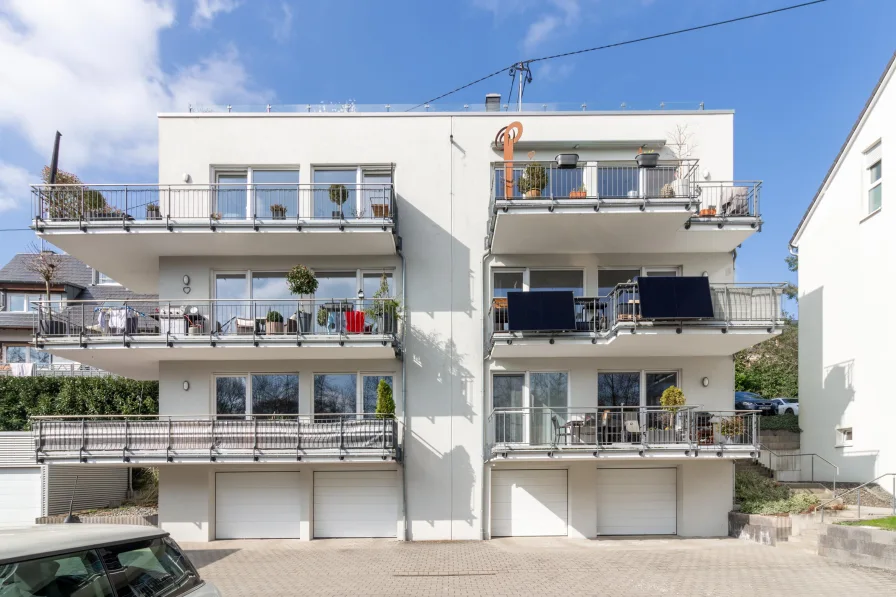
442	174
847	323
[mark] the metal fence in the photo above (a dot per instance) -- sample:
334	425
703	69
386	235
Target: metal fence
213	203
58	370
220	319
733	304
621	427
592	180
207	434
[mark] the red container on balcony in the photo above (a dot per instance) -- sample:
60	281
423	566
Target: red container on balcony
354	322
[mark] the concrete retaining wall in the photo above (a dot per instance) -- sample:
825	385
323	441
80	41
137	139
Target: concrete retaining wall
767	530
780	440
858	545
152	520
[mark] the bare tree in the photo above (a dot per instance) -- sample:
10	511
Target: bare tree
683	147
46	265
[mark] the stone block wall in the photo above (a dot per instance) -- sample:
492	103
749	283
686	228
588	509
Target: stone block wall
858	545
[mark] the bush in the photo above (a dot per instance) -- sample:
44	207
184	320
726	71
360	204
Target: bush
24	397
385	405
760	495
780	423
274	317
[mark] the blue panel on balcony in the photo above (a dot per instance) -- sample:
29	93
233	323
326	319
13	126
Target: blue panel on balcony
541	311
675	297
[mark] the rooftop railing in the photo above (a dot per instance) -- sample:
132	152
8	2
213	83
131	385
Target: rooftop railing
208	437
212	320
734	304
213	204
352	107
621	428
52	370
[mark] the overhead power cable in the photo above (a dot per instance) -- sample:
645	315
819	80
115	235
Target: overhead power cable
623	43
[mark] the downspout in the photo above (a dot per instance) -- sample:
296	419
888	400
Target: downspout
404	407
486	491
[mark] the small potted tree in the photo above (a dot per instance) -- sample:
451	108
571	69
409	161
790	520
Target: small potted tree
274	323
301	281
647	158
732	429
672	400
385	404
153	212
278	211
533	180
338	195
384	309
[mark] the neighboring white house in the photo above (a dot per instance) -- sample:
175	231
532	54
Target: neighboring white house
846	407
543	314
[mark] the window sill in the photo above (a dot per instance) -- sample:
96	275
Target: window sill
871	215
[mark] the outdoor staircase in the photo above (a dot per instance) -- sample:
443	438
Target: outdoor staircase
753	466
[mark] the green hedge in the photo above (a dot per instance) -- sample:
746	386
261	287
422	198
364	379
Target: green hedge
23	397
780	423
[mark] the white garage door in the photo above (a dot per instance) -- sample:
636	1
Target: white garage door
529	503
355	504
636	501
20	495
257	505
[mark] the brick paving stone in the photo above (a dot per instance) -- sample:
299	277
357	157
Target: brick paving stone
536	566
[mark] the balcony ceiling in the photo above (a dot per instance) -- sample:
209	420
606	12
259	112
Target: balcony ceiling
140	362
132	258
664	342
629	230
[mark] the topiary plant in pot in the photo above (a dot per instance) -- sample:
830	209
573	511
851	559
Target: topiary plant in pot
338	195
274	323
672	399
301	281
385	404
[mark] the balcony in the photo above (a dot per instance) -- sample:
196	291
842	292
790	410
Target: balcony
603	207
131	337
623	432
154	439
741	316
141	223
53	370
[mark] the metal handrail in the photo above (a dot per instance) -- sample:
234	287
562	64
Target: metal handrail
859	495
764	448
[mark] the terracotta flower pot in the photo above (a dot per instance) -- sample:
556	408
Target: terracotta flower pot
533	193
707	213
577	194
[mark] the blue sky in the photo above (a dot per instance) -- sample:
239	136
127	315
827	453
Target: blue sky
99	72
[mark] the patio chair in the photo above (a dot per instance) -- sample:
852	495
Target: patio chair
561	433
633	428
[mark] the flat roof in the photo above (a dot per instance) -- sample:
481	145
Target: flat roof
435	114
37	541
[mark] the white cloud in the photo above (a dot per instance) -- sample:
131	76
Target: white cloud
205	11
92	70
282	24
551	18
14	183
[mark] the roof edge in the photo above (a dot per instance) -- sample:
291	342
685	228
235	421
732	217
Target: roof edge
888	71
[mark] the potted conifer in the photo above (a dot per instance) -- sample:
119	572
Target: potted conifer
385	404
533	180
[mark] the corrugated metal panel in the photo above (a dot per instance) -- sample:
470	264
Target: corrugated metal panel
98	487
16	448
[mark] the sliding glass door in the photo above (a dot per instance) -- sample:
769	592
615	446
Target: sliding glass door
507	394
548	396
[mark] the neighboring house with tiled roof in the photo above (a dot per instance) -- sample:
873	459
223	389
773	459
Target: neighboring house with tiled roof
21	288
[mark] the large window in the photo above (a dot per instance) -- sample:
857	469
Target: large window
25	302
633	388
530	407
276	189
257	394
231	198
336	192
347	393
28	354
507	398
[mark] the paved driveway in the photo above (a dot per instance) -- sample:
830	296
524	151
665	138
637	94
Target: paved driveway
679	567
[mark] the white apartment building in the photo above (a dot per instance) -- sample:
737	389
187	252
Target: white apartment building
846	411
546	303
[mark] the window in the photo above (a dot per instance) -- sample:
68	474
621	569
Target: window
507	395
347	393
27	354
68	575
102	278
875	189
633	388
231	197
608	278
656	384
844	436
149	568
24	302
276	187
530	406
366	192
257	394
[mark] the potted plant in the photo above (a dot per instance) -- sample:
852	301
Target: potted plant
216	216
338	195
579	193
278	212
322	317
707	212
672	400
732	429
667	191
385	404
301	281
384	309
647	158
533	180
274	323
153	212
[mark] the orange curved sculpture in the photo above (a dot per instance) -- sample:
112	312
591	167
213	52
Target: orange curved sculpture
507	137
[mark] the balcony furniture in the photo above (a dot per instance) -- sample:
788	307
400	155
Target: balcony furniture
246	325
561	432
380	210
354	322
628	310
735	202
634	429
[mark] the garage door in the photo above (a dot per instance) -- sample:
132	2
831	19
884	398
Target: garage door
355	504
20	495
257	505
636	501
529	503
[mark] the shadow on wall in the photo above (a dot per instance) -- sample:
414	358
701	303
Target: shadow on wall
435	291
838	392
432	356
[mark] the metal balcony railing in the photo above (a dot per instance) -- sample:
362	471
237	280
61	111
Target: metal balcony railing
546	181
733	304
208	436
621	428
57	370
268	204
220	319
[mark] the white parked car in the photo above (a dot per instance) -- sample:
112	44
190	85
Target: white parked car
786	406
99	560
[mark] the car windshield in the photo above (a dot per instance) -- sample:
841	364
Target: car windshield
151	567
